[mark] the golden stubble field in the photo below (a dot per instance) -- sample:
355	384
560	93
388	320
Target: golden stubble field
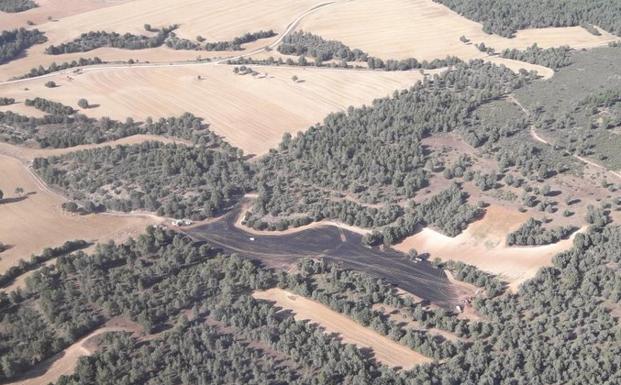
31	224
386	350
252	113
215	20
427	30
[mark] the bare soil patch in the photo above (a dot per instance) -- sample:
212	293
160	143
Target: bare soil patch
386	350
483	244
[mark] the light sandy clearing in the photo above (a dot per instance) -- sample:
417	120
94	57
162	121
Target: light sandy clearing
56	9
427	30
65	362
386	350
38	221
215	20
251	112
483	244
28	154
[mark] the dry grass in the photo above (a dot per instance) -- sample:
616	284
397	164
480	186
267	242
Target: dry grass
65	362
36	222
427	30
483	245
251	112
386	350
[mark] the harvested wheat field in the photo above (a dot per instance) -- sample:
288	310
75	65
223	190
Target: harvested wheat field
36	220
64	363
386	350
216	20
252	112
483	244
427	30
53	9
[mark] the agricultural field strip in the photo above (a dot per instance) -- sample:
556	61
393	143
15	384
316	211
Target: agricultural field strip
289	29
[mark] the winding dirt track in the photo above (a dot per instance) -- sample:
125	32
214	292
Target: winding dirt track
64	363
538	138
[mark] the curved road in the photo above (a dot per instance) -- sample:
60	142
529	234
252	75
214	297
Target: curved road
333	244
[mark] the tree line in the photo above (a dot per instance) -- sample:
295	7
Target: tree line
555	57
505	17
81	62
14	42
14	6
532	233
97	39
305	44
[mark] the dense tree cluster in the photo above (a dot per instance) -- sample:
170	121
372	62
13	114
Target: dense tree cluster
566	334
373	154
13	43
472	275
173	180
98	39
12	6
52	108
505	17
302	43
236	43
81	62
533	233
554	58
6	101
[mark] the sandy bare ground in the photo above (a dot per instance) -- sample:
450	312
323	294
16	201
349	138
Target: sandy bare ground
56	9
37	221
28	154
483	244
427	30
386	350
251	112
65	362
215	20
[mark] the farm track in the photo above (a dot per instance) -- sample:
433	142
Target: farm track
538	138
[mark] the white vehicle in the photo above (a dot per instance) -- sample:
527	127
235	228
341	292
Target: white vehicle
251	238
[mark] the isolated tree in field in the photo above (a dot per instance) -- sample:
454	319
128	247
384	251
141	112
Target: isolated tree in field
83	103
294	78
50	84
19	190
